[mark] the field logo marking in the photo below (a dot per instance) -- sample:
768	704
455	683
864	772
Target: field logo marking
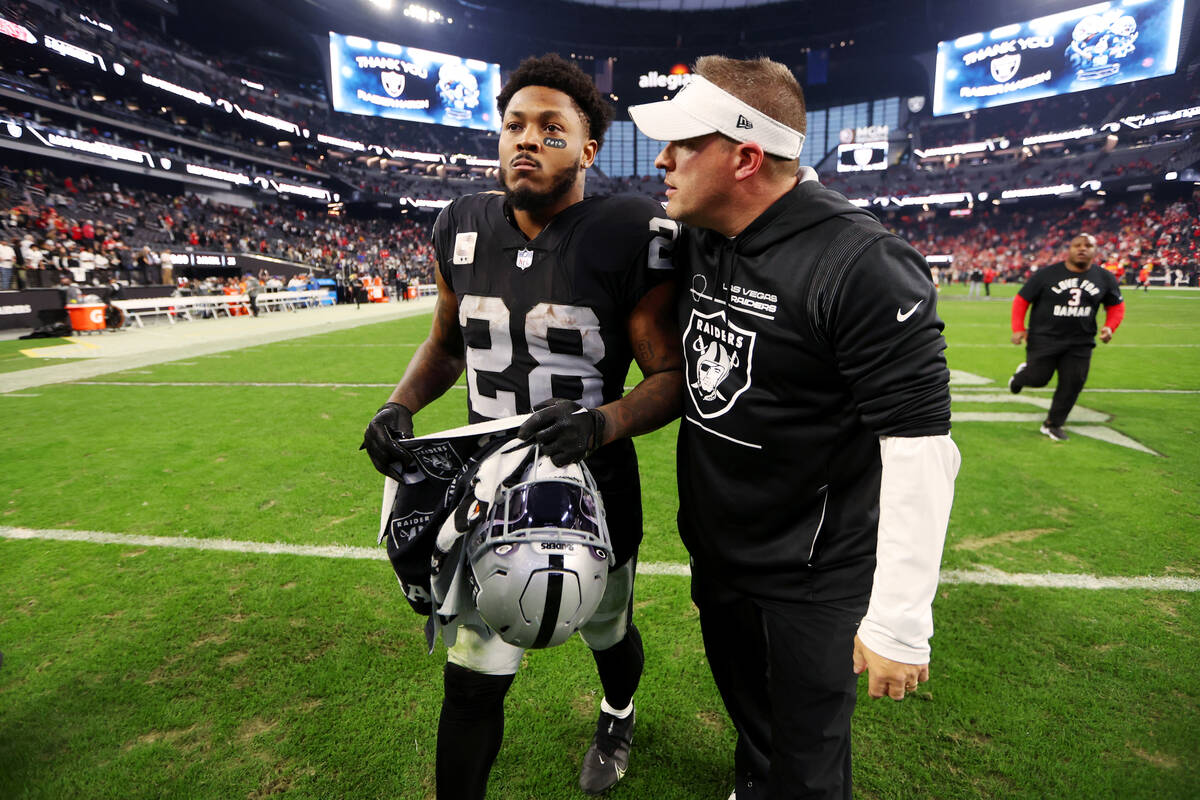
1094	429
960	377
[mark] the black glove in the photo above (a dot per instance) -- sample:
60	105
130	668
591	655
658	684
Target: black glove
391	424
565	431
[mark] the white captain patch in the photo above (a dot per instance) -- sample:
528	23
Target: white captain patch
718	357
464	247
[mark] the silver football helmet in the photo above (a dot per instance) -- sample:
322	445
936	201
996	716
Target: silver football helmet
540	554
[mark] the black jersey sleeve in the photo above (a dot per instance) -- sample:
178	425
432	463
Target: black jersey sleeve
633	238
443	242
888	344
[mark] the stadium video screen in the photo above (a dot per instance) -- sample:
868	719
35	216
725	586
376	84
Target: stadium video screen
382	79
1097	45
862	157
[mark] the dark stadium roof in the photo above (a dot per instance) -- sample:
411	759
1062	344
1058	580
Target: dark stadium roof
675	5
876	47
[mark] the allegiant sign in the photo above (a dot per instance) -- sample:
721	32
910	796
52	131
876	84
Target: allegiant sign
671	81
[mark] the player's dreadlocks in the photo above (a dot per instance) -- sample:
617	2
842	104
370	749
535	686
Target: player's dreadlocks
555	72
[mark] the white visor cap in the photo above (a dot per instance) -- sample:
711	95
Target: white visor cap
702	107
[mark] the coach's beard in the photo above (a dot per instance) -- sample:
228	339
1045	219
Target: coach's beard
526	199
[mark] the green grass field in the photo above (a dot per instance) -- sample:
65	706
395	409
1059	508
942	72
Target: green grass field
12	359
136	671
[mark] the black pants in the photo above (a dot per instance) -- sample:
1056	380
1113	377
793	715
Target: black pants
785	673
1070	361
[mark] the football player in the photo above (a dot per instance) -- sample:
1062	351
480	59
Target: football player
544	299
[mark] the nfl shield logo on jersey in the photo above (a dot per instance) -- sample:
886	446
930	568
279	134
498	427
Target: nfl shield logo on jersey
525	258
718	359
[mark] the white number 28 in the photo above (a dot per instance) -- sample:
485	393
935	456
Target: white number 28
539	322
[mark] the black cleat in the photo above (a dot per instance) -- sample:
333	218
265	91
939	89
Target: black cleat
1015	389
608	758
1054	432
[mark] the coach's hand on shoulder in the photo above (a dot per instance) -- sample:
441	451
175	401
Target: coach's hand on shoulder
887	677
564	430
391	424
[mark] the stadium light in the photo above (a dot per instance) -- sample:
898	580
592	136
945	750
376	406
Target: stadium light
1038	191
430	16
1059	136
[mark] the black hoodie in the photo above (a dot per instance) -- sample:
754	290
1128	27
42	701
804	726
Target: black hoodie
806	337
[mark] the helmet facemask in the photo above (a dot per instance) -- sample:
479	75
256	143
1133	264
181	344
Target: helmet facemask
540	554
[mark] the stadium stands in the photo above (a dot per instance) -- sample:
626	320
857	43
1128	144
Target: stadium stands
63	223
1163	235
264	180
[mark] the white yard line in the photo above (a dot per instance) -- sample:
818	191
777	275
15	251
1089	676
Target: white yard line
962	393
998	345
1087	390
987	576
307	384
990	576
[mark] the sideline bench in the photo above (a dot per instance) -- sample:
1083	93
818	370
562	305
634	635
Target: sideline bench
169	307
172	307
289	300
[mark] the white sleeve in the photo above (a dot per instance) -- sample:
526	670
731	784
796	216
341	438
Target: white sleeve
915	495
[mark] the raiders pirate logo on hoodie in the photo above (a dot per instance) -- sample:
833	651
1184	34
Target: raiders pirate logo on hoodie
718	356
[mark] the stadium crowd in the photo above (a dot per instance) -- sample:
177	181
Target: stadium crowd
92	227
1163	236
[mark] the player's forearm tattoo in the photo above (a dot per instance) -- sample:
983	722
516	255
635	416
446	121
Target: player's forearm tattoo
644	350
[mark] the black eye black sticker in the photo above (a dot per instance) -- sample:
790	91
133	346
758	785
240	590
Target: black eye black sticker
550	141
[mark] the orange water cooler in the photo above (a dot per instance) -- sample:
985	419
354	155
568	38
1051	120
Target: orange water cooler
86	317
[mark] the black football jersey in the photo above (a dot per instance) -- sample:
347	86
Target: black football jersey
548	317
1065	303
